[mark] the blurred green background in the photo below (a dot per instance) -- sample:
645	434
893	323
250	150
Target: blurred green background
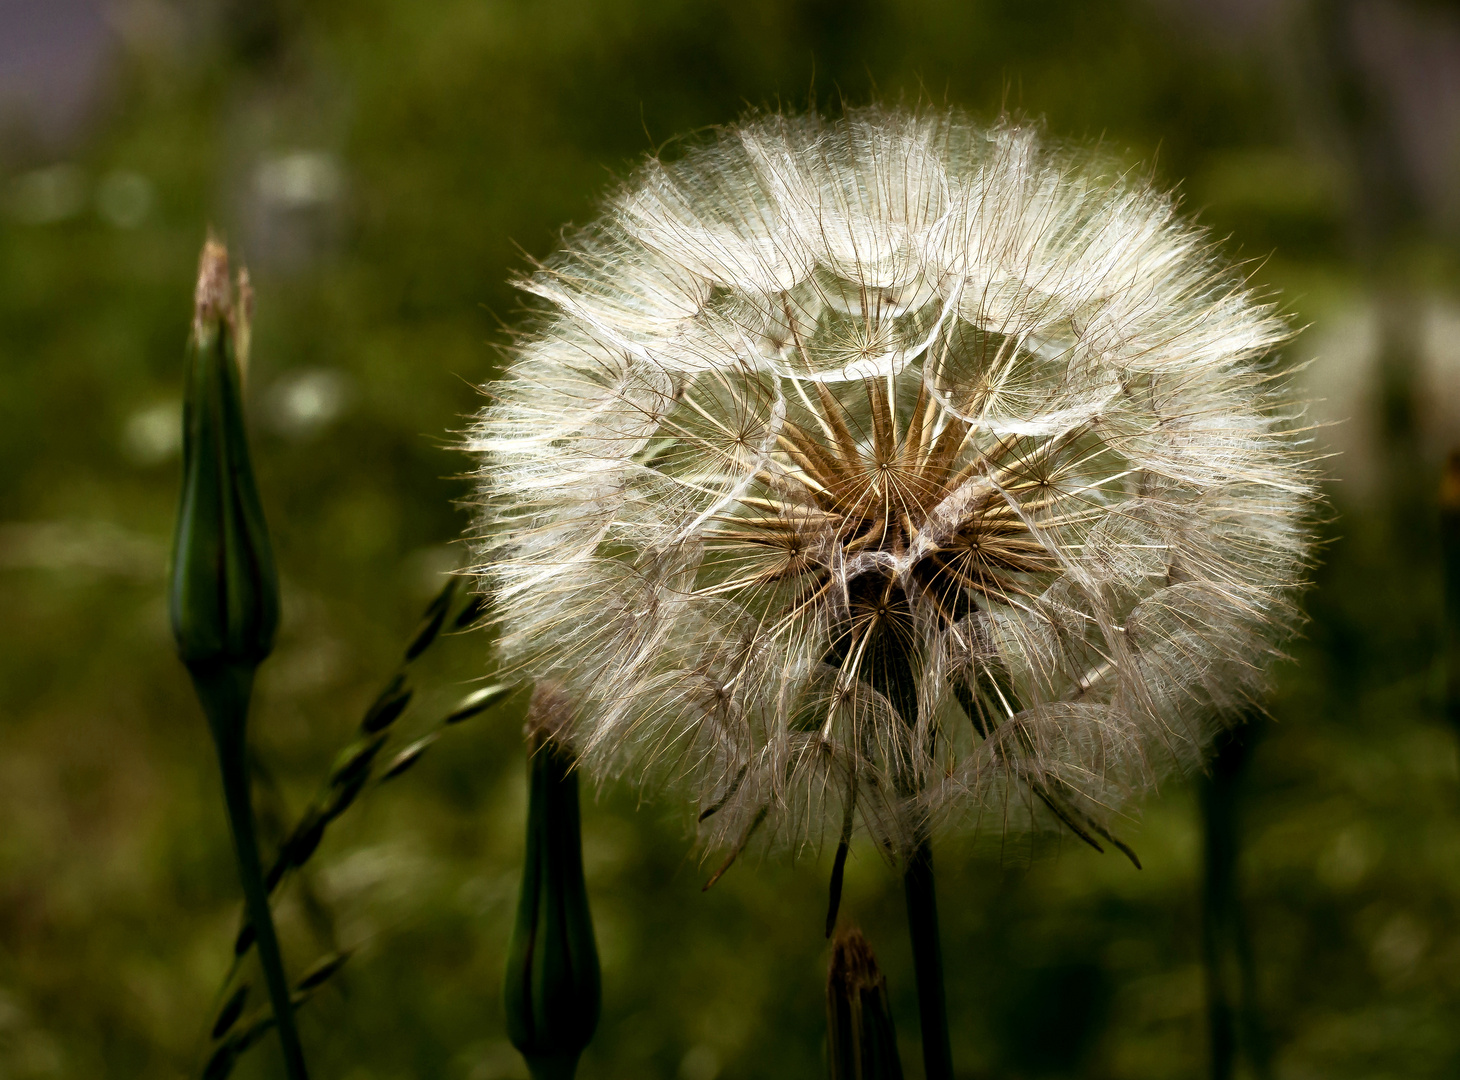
384	167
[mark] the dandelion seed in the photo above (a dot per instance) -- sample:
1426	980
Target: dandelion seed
892	471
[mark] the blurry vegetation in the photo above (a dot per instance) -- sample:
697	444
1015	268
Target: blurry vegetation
384	168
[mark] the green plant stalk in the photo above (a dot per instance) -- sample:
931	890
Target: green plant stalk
1234	1024
922	923
224	690
1219	865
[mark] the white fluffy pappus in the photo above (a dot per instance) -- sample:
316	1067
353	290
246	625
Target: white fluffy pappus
890	472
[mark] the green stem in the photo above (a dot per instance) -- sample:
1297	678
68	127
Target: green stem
1221	1025
1232	1008
922	922
224	691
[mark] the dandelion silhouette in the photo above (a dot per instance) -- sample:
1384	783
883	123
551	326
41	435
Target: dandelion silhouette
888	473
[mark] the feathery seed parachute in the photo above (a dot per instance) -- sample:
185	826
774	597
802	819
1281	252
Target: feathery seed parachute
889	471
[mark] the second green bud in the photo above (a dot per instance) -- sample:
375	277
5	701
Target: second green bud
552	991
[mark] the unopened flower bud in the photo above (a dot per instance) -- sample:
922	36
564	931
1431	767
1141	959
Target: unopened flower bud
224	592
224	601
552	991
860	1041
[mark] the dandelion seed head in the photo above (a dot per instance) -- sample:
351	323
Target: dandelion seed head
890	472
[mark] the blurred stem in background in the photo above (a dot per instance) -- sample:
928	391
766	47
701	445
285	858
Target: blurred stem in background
1385	215
861	1042
223	590
1231	977
1450	555
552	992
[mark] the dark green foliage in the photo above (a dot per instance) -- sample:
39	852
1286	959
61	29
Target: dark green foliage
466	133
1056	1017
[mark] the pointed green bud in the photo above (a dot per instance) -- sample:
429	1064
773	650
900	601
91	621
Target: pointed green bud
860	1041
551	989
223	596
223	593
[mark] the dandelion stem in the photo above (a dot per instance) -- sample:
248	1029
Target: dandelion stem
224	690
1234	1025
922	923
891	671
